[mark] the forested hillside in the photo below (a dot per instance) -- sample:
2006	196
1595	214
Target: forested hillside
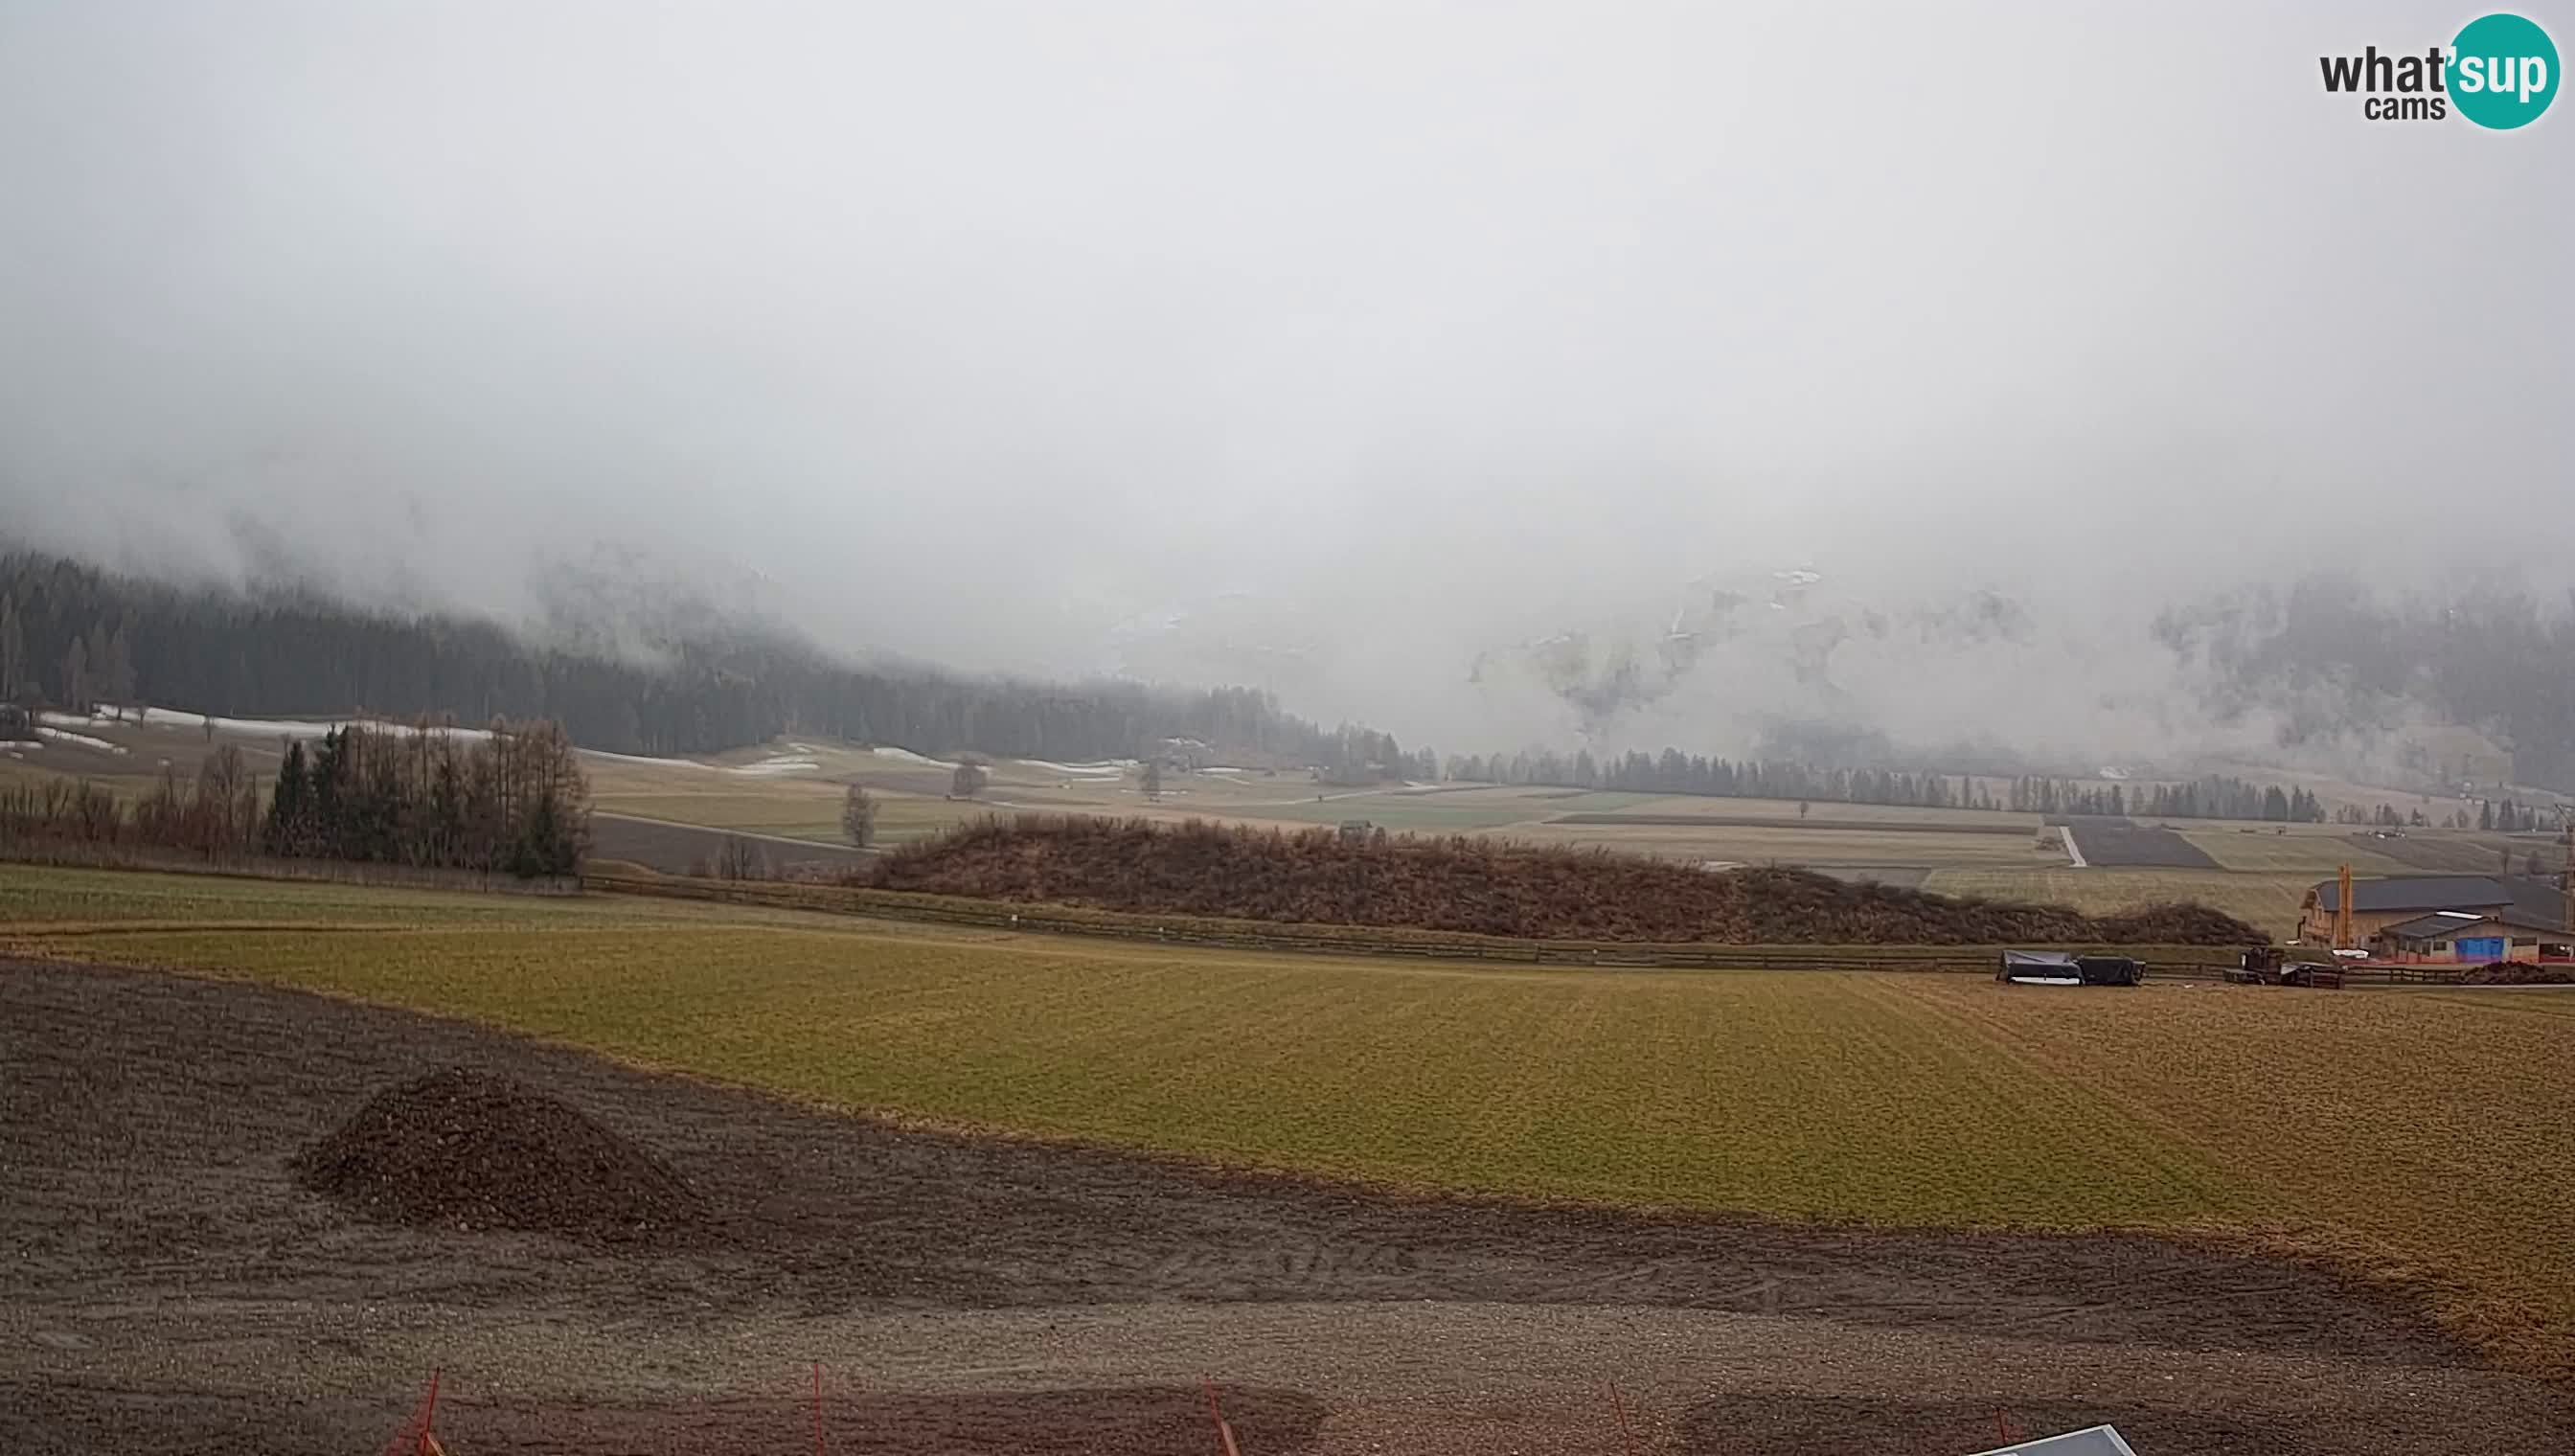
2331	656
73	636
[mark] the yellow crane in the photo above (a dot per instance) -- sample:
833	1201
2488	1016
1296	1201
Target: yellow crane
2342	909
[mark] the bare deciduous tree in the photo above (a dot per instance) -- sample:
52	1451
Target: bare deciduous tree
225	813
740	858
859	816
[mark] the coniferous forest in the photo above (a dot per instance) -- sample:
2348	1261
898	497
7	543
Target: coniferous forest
73	636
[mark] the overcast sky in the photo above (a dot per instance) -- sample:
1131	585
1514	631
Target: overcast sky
1005	333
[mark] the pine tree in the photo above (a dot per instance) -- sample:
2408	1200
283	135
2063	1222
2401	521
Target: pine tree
13	649
76	677
290	812
116	675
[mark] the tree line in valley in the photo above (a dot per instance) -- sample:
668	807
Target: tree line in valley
73	636
1672	771
510	800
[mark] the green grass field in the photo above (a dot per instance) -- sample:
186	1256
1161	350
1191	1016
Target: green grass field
795	816
2267	900
1795	845
39	900
1448	813
1651	1089
2311	850
2413	1131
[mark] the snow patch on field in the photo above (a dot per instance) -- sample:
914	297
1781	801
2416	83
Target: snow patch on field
646	760
1104	767
264	727
906	756
769	768
65	736
800	759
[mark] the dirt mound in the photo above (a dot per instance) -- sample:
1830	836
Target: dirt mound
471	1151
1486	888
2518	974
2175	923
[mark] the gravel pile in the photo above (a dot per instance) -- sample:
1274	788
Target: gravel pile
472	1151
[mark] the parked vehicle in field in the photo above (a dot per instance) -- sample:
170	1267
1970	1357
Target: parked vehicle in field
2063	969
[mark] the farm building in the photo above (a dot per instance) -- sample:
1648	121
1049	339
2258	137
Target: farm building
2471	938
2378	904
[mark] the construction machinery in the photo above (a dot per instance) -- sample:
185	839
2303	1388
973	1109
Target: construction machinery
2270	966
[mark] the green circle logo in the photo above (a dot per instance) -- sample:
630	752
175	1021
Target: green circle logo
2503	71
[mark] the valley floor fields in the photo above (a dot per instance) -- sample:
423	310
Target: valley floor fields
2230	1218
670	815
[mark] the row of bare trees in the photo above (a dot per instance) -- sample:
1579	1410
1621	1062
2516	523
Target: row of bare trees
215	813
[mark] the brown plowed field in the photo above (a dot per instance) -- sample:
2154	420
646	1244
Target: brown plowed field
165	1285
2113	844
